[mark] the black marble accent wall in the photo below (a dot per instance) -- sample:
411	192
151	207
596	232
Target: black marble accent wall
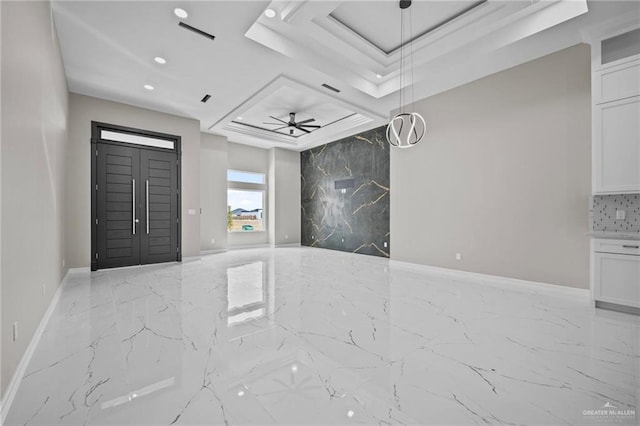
345	194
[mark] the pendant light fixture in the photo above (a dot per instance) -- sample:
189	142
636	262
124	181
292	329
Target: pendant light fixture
405	129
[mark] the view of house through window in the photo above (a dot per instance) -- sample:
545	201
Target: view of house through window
245	201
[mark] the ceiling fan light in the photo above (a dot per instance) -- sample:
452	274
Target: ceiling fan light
270	13
180	13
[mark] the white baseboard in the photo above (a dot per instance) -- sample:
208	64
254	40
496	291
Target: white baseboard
208	252
494	279
288	245
16	379
78	270
248	246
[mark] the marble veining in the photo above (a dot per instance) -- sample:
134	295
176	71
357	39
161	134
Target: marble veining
353	216
602	213
300	335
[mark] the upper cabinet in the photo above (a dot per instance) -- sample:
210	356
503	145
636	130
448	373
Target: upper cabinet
616	112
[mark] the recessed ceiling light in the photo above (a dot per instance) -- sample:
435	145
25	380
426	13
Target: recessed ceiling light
239	118
270	13
149	87
180	13
378	75
160	60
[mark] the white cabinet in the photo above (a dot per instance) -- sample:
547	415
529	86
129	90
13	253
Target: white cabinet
617	82
616	146
616	113
616	272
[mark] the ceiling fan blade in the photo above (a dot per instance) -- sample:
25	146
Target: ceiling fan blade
273	124
280	128
306	121
276	118
308	125
303	129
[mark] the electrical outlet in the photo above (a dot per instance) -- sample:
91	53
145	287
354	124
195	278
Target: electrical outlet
44	289
15	331
458	256
342	239
385	244
286	237
621	215
213	241
313	238
63	262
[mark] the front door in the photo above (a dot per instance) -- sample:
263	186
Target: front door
136	203
159	236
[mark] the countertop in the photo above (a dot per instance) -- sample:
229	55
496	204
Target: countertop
635	236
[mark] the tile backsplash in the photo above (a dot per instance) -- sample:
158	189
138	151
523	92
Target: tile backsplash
602	213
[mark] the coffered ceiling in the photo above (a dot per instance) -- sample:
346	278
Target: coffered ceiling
257	66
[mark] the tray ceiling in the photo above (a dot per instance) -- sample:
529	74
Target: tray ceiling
258	66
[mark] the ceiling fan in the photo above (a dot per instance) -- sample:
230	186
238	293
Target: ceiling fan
292	124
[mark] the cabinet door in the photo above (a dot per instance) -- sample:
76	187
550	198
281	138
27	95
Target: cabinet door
618	82
616	147
617	279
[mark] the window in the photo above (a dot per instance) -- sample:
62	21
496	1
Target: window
136	139
246	177
245	201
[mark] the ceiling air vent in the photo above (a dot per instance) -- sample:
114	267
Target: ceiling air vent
326	86
205	98
196	30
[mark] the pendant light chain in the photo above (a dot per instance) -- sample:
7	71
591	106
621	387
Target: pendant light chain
411	57
402	81
406	129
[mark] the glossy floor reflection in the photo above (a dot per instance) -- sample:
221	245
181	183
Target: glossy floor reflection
311	336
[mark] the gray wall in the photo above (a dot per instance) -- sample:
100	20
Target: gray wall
284	197
34	142
358	219
213	192
84	109
249	159
503	175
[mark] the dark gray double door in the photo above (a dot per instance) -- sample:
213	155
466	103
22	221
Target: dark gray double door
136	206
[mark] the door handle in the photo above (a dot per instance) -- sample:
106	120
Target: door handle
632	247
133	209
147	198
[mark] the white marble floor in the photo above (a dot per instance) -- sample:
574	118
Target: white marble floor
310	336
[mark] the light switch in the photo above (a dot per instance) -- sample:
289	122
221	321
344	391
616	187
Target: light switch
191	211
621	215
